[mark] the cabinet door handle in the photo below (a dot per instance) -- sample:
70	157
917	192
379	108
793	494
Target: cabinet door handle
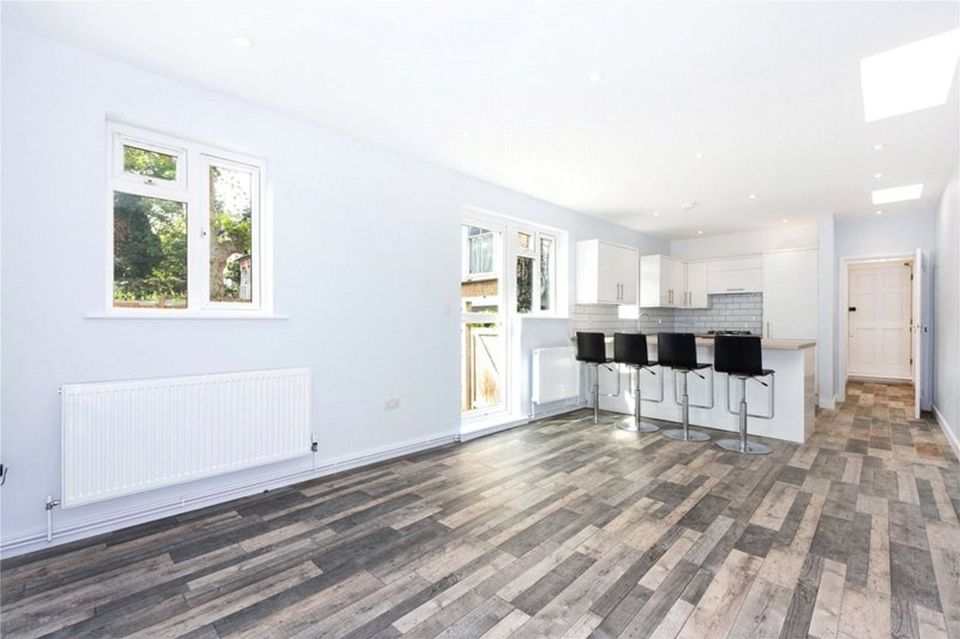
768	329
735	289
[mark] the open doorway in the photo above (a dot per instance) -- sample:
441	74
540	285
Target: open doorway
882	326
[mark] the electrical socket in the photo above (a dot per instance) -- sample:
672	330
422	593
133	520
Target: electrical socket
391	403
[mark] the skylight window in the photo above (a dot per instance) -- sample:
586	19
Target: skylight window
909	78
897	194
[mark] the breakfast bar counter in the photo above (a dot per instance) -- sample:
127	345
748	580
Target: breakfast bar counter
794	362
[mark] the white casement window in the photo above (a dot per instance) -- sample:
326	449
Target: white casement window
535	263
188	229
479	257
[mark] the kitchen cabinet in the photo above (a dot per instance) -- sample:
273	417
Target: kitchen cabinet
738	275
697	285
606	273
790	307
666	282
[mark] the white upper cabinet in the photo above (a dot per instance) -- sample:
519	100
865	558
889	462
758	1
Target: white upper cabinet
606	273
666	282
697	285
790	307
738	275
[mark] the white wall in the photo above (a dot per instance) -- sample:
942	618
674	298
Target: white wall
753	242
367	258
946	278
827	301
885	236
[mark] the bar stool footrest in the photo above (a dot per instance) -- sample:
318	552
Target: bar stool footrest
751	448
688	436
630	425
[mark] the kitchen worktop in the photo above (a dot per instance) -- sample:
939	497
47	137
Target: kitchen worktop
766	343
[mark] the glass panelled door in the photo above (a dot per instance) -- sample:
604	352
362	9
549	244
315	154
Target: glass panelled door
482	311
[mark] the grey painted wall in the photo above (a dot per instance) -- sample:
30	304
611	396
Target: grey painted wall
946	280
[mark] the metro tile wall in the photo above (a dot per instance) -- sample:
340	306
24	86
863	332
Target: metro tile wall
741	311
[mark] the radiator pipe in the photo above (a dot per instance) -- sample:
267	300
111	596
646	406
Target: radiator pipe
51	504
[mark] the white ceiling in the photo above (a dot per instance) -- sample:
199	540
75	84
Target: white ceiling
768	92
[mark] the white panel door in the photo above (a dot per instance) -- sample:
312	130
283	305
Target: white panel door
879	310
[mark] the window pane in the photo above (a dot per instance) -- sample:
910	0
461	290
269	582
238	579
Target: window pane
546	272
524	240
231	248
524	284
149	252
152	164
480	247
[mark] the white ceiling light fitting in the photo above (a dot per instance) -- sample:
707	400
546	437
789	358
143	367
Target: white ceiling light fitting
699	156
877	176
897	193
242	42
687	206
879	212
595	77
909	78
878	147
656	214
752	196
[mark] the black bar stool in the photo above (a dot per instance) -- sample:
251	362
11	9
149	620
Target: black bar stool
679	352
592	351
630	349
740	357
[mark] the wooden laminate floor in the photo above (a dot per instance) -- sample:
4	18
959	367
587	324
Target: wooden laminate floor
557	529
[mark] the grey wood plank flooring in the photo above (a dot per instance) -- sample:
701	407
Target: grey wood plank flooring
561	528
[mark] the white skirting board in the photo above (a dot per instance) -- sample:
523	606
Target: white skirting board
104	523
945	427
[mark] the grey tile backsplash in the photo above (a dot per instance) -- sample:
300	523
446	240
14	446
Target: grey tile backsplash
738	311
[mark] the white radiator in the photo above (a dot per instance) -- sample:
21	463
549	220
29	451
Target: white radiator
126	437
556	374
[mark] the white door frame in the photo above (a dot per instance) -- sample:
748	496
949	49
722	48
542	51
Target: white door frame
502	316
845	264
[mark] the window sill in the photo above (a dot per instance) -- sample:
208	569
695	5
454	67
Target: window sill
185	315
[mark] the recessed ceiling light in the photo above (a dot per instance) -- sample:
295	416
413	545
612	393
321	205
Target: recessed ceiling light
699	156
465	135
242	42
752	196
897	193
879	212
877	176
686	206
878	147
595	77
909	78
699	232
784	220
656	214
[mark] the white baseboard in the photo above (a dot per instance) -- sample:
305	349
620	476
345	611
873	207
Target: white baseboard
92	526
945	427
518	421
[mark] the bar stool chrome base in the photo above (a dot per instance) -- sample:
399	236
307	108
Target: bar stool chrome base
748	448
686	435
630	425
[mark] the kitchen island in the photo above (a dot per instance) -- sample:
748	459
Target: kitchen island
794	362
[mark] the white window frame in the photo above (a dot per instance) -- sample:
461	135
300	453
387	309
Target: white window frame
465	274
191	188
